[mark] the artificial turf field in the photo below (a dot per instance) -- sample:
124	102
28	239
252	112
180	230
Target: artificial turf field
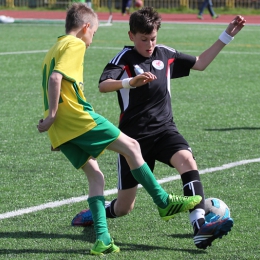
217	111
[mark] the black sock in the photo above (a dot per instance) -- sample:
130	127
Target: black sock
110	213
192	186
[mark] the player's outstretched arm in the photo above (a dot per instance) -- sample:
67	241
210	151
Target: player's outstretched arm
205	58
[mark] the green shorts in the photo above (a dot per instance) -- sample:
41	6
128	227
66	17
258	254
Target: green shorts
90	144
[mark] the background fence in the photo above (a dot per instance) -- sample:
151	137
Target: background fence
116	4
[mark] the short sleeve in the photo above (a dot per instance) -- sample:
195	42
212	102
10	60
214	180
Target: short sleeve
70	61
111	71
182	65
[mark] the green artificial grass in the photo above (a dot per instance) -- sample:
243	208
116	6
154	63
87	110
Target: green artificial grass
216	110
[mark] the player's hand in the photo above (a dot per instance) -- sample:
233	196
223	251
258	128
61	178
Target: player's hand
44	124
236	25
142	79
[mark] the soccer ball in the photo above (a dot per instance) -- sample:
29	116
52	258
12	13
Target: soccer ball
139	3
216	209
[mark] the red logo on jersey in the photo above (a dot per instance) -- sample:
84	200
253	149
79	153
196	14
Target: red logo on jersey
158	64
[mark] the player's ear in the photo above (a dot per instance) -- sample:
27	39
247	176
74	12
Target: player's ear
85	27
130	34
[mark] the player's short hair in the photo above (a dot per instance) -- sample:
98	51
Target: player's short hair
79	14
145	21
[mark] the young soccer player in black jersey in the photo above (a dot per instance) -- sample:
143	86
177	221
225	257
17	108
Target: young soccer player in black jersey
141	76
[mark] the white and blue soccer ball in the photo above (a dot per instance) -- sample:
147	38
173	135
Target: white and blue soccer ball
216	209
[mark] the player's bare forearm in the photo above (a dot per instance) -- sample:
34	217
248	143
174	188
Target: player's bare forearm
110	85
54	93
205	58
54	86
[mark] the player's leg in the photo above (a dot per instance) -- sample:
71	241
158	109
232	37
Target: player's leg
95	178
127	187
130	149
123	204
185	164
96	202
81	159
120	206
174	150
204	233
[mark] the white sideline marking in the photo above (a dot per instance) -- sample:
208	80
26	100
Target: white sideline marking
114	191
22	52
118	48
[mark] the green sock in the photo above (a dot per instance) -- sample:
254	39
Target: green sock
97	207
146	178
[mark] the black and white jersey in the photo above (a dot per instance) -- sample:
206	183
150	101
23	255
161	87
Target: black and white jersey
147	109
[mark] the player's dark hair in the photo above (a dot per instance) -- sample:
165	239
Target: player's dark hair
145	21
77	15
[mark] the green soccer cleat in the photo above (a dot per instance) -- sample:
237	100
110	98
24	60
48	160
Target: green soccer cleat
178	204
100	248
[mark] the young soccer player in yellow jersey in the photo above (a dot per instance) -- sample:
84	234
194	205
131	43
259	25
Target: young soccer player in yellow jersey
82	135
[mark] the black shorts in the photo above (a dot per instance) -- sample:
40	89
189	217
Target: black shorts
160	147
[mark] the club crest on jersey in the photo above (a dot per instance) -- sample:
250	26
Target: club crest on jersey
158	64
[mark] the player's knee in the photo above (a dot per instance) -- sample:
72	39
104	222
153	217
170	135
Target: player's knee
134	146
189	159
123	211
183	160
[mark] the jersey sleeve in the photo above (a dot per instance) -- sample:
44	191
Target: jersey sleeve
182	65
111	71
70	61
116	67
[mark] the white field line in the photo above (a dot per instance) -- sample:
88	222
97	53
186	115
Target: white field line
117	48
114	191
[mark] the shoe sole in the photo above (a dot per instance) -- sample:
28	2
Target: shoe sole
85	224
222	231
191	205
101	253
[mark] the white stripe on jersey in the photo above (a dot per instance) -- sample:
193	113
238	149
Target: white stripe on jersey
125	92
117	58
165	47
169	81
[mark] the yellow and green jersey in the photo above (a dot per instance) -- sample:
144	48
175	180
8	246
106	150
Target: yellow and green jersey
73	115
